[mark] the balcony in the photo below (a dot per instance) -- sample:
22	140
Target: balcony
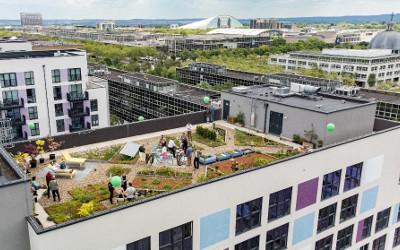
10	104
79	128
18	121
77	97
73	113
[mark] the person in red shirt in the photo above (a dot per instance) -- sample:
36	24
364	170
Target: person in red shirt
49	177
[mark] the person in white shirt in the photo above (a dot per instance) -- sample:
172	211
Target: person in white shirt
189	131
130	192
172	147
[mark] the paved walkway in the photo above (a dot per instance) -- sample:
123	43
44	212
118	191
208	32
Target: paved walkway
41	213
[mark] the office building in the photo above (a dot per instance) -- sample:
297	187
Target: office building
382	63
31	19
106	26
47	93
215	75
356	36
132	95
299	110
262	23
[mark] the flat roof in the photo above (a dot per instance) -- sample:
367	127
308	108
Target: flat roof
380	95
347	53
38	54
321	103
182	91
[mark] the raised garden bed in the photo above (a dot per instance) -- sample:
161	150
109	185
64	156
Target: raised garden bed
160	184
235	153
207	159
164	172
103	154
123	159
245	139
223	156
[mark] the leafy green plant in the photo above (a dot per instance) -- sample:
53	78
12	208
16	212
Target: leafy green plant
167	187
117	170
261	162
86	209
81	195
156	182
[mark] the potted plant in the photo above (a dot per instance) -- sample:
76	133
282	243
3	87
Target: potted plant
52	145
40	149
32	151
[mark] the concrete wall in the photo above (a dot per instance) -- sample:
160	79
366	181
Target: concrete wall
16	204
349	123
379	153
15	46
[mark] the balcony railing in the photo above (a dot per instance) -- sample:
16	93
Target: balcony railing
18	120
77	97
9	104
80	128
78	112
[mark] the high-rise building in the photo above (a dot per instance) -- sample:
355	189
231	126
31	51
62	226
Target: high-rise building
47	93
31	19
262	23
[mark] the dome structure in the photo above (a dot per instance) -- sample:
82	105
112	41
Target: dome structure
388	39
217	22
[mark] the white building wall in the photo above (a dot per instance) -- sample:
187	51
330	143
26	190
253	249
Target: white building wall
15	46
114	230
101	95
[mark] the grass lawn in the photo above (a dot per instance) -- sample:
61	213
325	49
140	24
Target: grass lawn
211	143
123	159
104	154
245	139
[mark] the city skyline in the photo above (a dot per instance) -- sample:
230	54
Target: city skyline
175	9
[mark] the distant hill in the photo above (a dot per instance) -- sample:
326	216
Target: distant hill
166	22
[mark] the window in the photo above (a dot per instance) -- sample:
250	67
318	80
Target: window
330	185
31	95
277	238
59	109
29	78
279	204
60	126
74	74
10	97
33	114
143	244
382	220
349	208
365	247
324	244
379	244
95	120
248	215
56	75
8	80
93	105
76	90
35	130
396	239
367	228
344	238
353	176
398	216
326	217
57	93
177	238
250	244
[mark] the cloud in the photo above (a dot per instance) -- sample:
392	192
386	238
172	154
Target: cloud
129	9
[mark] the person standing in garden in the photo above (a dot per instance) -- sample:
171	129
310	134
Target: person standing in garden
189	152
54	189
124	184
196	162
111	190
49	177
189	128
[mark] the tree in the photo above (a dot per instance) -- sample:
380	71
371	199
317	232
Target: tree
371	80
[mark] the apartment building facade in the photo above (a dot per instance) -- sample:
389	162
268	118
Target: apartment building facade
328	199
382	63
46	93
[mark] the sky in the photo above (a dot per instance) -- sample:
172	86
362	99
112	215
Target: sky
175	9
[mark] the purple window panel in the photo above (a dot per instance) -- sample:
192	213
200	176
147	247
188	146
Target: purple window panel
64	91
64	75
359	231
20	78
22	94
307	193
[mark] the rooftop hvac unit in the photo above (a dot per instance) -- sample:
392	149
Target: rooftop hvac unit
240	89
281	91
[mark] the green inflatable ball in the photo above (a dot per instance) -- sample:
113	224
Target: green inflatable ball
31	125
330	127
116	181
206	99
141	118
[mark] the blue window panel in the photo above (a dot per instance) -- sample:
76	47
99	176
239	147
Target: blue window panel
303	228
368	200
396	213
214	228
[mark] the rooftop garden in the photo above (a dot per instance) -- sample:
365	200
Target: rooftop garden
210	137
246	139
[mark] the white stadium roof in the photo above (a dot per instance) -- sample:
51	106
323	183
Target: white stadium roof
214	23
